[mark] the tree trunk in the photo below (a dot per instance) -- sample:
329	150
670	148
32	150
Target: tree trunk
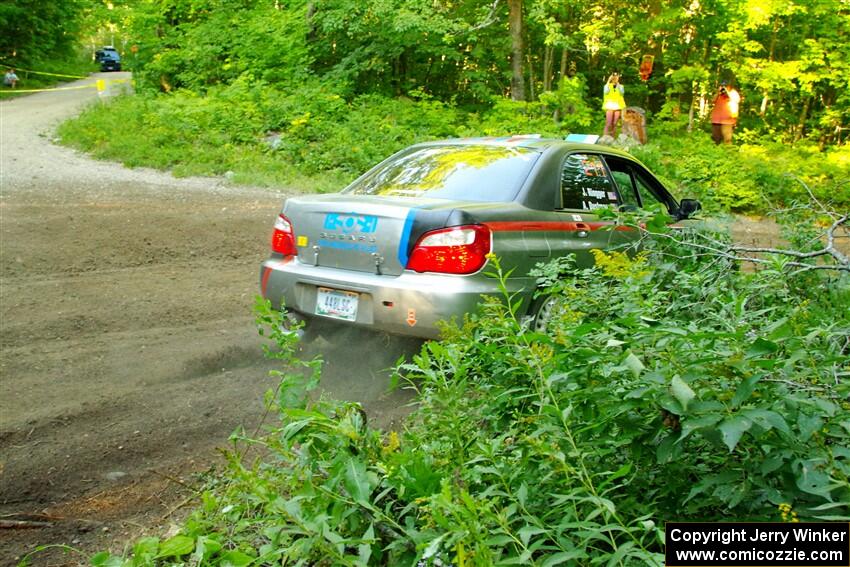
311	23
691	109
563	73
548	63
531	94
803	115
515	20
556	116
772	51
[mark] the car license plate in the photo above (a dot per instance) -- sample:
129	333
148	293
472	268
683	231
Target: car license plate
336	304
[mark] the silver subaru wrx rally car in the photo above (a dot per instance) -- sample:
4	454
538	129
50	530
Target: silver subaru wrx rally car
406	244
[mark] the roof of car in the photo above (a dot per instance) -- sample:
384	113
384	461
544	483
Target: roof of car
530	141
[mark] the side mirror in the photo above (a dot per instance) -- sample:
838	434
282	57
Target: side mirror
688	207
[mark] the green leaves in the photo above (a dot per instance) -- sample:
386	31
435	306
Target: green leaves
767	419
633	363
682	392
761	347
176	546
745	389
733	428
356	480
558	449
235	558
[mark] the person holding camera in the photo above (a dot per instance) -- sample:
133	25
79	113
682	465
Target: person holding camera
613	103
725	113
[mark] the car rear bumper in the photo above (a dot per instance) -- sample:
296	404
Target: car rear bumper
408	304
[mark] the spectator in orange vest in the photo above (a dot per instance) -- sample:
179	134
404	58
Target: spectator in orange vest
725	113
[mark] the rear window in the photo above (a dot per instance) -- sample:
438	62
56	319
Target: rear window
465	173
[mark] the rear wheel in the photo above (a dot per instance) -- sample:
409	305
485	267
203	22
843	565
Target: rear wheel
545	310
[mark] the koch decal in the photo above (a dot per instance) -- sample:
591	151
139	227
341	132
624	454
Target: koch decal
351	223
411	317
302	241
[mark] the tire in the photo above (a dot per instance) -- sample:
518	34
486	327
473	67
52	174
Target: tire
543	310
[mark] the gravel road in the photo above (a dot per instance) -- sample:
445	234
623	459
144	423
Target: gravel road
127	346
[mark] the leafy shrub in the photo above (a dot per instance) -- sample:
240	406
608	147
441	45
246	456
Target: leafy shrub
213	47
751	177
726	389
268	135
668	387
507	117
330	133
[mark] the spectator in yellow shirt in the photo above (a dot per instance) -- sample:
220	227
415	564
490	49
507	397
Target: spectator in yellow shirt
613	103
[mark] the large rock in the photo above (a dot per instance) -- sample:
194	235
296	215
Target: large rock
622	141
634	123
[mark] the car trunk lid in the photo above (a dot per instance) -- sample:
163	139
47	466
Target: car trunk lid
364	234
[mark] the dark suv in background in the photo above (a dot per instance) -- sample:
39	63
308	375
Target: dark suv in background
108	58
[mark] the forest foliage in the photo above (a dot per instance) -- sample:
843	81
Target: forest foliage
789	58
313	93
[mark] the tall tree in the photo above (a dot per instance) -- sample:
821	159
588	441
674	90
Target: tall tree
790	58
35	30
516	28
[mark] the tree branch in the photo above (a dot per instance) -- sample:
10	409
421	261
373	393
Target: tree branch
739	253
489	20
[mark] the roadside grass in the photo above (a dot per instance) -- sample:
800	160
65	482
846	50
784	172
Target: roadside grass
129	130
315	139
754	175
29	80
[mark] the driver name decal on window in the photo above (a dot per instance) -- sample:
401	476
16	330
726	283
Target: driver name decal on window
585	184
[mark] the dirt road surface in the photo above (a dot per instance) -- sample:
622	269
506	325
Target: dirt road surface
128	351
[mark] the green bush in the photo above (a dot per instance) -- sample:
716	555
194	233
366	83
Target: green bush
755	176
668	386
329	133
270	136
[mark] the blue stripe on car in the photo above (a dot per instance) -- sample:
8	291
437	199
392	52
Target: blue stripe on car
405	238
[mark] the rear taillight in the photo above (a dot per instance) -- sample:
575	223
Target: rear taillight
283	241
456	250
